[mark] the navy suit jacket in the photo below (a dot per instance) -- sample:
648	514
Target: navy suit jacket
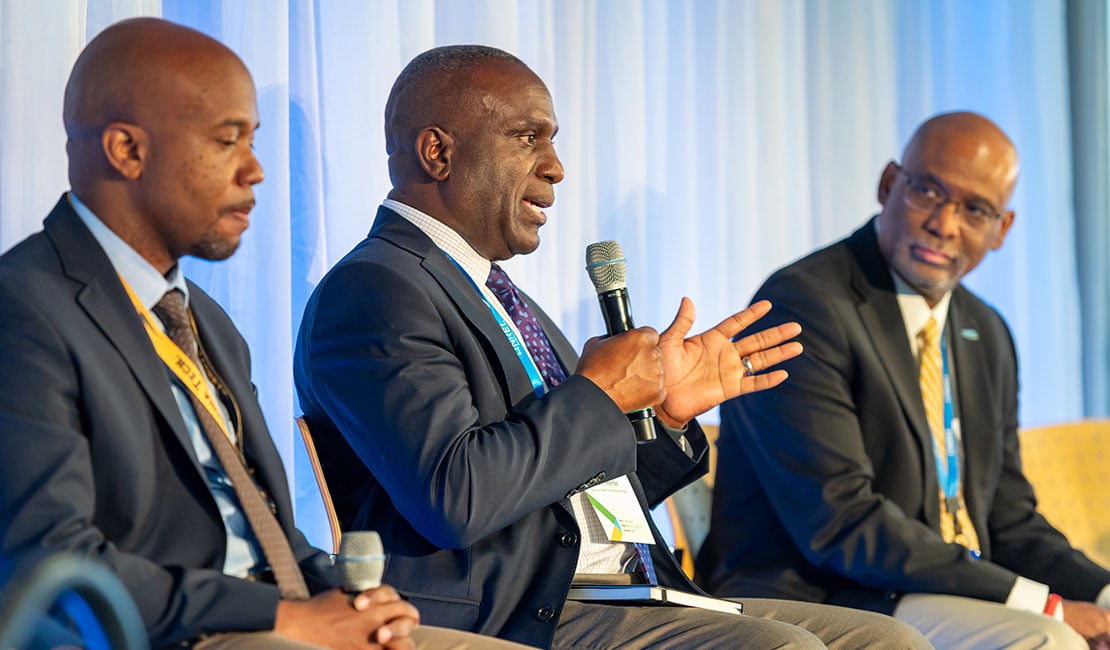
94	455
827	489
430	433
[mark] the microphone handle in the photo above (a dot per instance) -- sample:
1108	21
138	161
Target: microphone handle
616	309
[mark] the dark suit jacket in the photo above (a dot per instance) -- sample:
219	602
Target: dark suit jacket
455	462
827	490
94	455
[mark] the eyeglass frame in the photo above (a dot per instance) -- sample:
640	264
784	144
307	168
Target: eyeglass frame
990	216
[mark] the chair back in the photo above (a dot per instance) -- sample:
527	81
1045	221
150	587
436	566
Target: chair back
691	507
322	483
1068	467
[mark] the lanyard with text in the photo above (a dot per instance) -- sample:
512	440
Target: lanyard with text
948	469
518	346
178	362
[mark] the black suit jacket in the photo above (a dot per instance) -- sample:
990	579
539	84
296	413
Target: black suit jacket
430	433
827	489
94	455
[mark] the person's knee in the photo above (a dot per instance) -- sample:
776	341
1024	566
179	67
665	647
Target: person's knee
730	632
902	635
1045	632
877	631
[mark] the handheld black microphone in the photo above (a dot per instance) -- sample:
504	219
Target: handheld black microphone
608	272
361	560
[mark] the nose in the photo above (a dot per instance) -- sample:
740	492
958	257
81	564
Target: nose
944	220
251	172
551	168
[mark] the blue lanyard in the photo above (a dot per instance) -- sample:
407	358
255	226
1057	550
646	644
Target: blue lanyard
521	352
948	473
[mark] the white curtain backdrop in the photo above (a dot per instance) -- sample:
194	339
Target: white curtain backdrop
716	140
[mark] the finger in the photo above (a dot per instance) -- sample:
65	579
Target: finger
767	358
377	595
591	342
741	320
763	381
683	321
768	338
398	628
649	334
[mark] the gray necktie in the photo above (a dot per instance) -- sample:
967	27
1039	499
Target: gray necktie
275	545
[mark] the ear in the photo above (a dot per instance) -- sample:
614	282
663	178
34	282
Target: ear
886	181
125	148
434	148
1007	220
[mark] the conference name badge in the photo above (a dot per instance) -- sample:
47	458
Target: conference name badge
619	511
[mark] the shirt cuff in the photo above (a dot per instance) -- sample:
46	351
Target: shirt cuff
1028	595
679	437
1103	599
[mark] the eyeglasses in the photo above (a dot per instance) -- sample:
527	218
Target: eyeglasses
924	193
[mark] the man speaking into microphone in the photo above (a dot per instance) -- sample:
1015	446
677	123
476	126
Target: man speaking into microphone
454	418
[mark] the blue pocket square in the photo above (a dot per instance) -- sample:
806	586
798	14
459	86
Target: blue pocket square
970	334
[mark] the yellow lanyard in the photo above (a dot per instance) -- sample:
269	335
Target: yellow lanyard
178	362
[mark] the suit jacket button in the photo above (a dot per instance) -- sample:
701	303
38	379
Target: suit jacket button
545	614
568	539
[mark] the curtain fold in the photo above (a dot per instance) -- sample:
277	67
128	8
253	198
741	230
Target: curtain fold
1089	73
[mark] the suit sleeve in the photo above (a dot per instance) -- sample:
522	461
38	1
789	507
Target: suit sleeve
386	361
48	500
809	453
1020	536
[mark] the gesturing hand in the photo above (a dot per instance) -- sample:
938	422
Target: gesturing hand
704	370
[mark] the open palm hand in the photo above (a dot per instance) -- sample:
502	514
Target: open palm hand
704	370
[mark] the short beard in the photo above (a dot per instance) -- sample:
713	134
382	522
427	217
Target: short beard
214	249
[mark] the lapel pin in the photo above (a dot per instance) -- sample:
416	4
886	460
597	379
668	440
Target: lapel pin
970	334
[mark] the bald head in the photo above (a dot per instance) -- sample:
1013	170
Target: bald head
470	134
135	71
973	141
436	88
160	122
945	205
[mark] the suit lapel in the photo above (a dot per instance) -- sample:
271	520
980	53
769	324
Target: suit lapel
882	318
976	427
103	298
457	285
514	379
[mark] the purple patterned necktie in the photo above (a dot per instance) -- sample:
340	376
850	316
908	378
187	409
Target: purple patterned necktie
540	349
534	338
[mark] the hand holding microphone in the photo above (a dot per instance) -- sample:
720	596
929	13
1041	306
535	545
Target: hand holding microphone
639	360
364	610
697	372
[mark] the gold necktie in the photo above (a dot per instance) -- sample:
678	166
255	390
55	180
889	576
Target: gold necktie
275	545
956	529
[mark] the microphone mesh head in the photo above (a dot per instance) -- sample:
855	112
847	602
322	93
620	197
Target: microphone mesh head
361	560
606	266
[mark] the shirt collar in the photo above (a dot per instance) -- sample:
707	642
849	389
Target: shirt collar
145	280
446	238
916	310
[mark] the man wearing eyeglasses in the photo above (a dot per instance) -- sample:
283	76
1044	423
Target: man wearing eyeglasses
886	473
